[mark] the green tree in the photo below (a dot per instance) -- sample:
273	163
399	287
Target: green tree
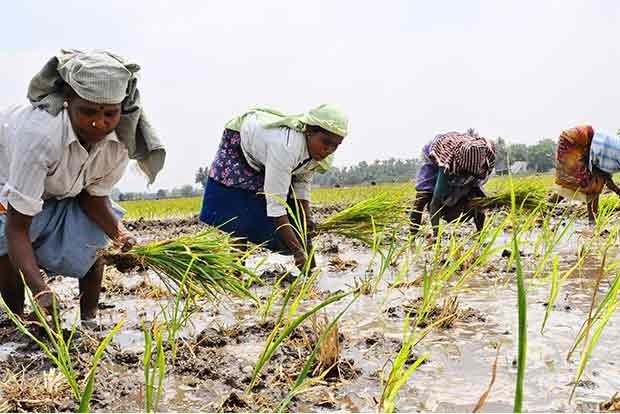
162	193
501	155
518	152
541	156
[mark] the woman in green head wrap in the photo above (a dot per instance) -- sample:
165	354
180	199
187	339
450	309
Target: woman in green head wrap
266	159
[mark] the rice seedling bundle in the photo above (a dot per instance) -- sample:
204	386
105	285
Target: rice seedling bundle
380	214
529	195
211	258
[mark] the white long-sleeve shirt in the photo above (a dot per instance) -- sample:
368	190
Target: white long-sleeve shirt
41	158
282	154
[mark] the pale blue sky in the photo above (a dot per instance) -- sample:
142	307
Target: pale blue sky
403	70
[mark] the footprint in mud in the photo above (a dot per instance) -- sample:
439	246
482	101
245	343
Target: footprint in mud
203	364
448	313
211	338
234	404
271	276
127	358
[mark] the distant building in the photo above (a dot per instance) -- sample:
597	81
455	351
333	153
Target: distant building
518	167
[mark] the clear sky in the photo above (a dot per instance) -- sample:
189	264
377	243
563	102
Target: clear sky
403	70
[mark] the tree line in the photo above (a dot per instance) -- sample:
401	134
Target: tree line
539	157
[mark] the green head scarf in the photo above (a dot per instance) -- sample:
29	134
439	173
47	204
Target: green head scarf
325	116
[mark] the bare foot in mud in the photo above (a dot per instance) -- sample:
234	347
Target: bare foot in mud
89	324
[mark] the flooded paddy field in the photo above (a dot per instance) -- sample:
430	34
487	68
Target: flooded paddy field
218	347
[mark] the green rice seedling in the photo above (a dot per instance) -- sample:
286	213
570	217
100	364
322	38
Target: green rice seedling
153	371
382	213
217	263
398	377
522	307
528	194
556	284
609	203
460	259
387	257
604	313
346	196
481	251
276	293
181	312
60	350
606	217
403	271
161	209
551	235
288	318
287	321
400	372
302	383
597	320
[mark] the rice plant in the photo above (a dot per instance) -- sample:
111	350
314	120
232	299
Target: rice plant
597	320
528	194
288	320
302	383
382	213
522	307
164	208
550	235
400	372
346	196
154	371
272	298
556	283
217	259
59	349
181	312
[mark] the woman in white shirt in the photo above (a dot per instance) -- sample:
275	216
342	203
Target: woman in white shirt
60	157
266	158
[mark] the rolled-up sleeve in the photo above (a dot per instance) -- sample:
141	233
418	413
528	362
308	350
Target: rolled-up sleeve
104	186
278	171
28	168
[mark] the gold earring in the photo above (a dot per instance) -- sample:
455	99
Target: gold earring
94	124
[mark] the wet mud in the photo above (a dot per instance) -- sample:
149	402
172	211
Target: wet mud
218	348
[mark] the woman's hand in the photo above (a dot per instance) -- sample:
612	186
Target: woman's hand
300	259
125	240
46	300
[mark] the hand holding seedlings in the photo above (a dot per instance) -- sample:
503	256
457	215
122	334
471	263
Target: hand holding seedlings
125	241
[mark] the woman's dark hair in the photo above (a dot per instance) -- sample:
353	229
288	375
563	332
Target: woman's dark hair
64	88
313	129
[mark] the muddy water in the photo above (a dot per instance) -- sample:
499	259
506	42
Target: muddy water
226	339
